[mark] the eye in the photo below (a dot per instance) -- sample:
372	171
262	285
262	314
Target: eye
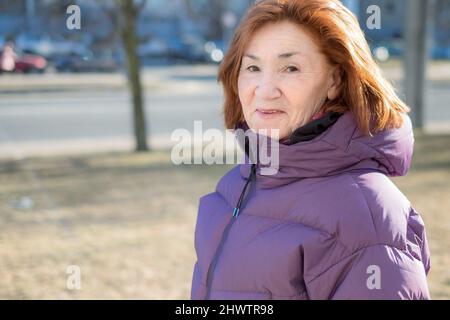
292	69
252	68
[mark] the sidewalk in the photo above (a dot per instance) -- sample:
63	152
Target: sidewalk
152	78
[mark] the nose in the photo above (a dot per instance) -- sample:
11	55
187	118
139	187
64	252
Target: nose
267	88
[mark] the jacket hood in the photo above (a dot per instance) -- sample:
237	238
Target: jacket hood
341	148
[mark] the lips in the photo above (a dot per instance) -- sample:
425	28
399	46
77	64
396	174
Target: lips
269	113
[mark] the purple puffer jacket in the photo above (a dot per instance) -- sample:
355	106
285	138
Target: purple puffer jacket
329	225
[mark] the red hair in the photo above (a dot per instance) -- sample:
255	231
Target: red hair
363	91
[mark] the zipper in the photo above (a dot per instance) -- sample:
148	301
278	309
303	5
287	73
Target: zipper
235	215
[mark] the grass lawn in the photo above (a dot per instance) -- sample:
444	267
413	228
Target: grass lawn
127	220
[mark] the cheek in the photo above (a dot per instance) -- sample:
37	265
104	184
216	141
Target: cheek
301	94
245	90
297	93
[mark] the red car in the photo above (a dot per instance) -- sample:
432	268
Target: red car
27	63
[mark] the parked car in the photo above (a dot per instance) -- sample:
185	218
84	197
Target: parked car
195	48
47	46
154	48
192	49
30	63
100	61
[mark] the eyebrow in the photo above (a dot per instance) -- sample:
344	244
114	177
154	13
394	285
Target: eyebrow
282	56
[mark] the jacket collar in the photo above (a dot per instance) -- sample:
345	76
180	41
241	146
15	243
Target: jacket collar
341	147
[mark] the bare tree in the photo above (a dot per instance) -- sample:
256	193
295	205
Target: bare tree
124	15
129	11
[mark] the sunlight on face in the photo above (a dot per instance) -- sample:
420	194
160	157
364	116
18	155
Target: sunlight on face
283	80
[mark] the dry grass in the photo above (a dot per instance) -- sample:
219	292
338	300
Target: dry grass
128	221
428	188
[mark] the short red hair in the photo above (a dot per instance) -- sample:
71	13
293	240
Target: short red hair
364	91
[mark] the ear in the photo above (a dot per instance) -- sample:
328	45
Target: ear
336	81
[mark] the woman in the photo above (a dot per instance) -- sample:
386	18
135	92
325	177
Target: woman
329	224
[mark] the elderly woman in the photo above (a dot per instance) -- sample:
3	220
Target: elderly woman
330	224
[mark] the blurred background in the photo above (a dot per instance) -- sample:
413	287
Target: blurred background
89	97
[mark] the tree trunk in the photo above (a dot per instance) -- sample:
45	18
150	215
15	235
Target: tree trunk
130	42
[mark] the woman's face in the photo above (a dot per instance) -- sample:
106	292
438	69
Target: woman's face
284	79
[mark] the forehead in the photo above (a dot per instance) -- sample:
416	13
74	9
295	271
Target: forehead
274	39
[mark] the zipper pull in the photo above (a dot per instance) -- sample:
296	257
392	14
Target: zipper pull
237	209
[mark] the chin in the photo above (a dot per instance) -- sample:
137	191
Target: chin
270	131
